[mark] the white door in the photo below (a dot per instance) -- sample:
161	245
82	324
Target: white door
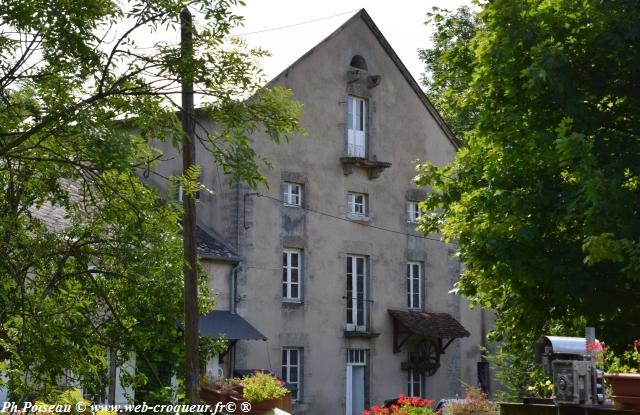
356	364
356	143
357	390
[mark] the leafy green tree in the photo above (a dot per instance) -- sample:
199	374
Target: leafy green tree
80	99
543	201
449	66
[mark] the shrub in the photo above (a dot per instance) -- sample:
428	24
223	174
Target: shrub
475	402
261	386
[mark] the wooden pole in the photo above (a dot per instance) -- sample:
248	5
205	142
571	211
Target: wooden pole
192	365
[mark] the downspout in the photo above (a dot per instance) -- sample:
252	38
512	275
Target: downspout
233	282
233	278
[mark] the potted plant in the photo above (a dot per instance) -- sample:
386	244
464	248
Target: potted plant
264	391
220	390
622	373
403	406
475	402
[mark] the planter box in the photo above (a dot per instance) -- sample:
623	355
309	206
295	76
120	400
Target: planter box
626	389
212	396
261	407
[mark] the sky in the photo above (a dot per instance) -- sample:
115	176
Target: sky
400	21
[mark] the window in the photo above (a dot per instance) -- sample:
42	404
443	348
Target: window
356	122
413	211
291	362
357	204
414	383
291	272
414	285
356	293
292	194
180	195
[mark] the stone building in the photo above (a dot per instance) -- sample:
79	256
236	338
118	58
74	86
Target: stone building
326	263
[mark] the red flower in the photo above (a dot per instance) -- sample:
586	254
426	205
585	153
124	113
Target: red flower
594	346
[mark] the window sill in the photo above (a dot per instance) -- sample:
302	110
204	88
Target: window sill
291	302
366	334
291	206
363	220
374	167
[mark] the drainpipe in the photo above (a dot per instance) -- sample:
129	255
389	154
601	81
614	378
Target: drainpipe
233	288
233	278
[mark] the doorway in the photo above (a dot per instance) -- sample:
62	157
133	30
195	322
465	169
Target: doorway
356	381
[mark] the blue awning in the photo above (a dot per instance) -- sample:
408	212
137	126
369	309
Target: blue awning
227	325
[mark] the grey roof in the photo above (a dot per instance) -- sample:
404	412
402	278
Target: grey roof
211	247
228	325
55	217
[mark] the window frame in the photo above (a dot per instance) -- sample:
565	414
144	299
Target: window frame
180	195
413	211
356	105
355	304
415	378
287	273
286	370
414	282
351	205
288	195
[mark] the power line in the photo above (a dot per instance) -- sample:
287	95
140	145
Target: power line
351	221
297	24
329	215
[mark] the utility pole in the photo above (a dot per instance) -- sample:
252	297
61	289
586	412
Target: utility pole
192	360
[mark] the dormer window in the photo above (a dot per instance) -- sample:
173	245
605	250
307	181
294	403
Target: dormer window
356	122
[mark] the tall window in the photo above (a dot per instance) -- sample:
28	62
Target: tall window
414	383
357	115
180	195
413	211
292	194
357	204
291	272
356	293
291	363
414	285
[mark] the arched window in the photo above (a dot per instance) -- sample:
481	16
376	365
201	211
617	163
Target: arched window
358	62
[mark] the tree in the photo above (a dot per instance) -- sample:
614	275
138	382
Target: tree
449	66
80	99
543	200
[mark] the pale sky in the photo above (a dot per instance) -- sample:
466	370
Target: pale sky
400	21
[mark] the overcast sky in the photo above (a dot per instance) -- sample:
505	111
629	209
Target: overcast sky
400	21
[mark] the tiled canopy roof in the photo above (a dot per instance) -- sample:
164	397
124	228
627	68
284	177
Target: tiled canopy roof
210	247
440	325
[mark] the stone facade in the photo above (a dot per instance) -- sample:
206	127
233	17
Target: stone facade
401	126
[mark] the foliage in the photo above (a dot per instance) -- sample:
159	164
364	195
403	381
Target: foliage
543	200
515	371
625	362
404	406
541	389
68	401
475	402
91	256
449	66
220	383
261	386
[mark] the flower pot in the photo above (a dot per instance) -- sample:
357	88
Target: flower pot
626	389
283	404
263	406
